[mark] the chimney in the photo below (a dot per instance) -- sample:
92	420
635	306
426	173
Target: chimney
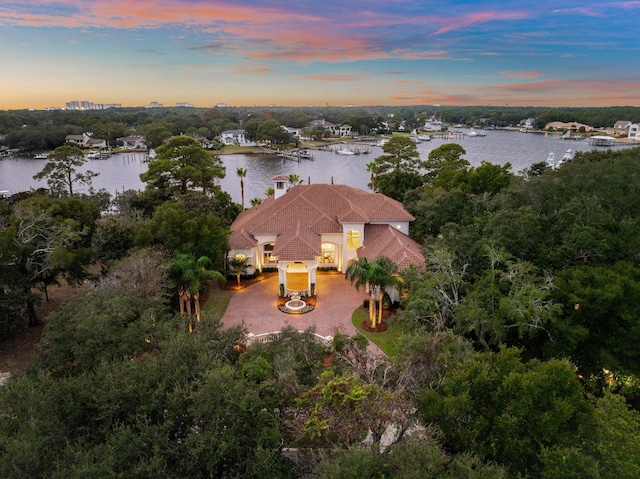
280	184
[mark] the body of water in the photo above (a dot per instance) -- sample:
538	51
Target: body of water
122	171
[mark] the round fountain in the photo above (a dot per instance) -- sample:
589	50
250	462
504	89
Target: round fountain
295	303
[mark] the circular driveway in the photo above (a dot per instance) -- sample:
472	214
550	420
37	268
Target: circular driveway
256	307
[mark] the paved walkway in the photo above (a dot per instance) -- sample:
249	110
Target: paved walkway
255	307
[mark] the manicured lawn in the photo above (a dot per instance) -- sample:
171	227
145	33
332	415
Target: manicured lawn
217	301
386	340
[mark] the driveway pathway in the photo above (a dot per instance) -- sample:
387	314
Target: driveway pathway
255	307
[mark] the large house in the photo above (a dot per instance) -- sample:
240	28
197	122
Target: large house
620	128
233	137
133	141
334	130
567	126
86	140
305	227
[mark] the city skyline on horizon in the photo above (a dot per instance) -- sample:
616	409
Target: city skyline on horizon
256	52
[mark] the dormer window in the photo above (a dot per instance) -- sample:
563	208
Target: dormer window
280	185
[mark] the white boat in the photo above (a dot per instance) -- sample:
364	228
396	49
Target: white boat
93	155
345	152
152	154
424	137
472	132
568	156
41	156
551	160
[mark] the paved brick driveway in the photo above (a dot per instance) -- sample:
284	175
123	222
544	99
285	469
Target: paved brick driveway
255	307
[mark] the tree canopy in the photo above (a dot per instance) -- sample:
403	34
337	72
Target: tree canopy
61	170
181	165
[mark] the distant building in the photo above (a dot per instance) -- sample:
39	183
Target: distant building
184	105
233	137
88	105
137	142
567	126
154	104
86	140
432	124
634	131
292	131
620	128
334	130
528	123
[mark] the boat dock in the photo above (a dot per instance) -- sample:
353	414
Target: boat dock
448	135
296	155
348	149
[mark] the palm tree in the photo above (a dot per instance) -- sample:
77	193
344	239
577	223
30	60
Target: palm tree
377	276
358	273
269	191
238	266
294	179
190	276
383	276
255	201
372	168
242	173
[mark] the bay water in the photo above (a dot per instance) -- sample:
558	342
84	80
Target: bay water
122	170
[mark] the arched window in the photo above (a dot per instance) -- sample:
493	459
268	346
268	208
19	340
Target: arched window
328	253
353	239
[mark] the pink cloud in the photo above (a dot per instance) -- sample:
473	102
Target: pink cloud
520	74
584	85
335	78
408	82
254	70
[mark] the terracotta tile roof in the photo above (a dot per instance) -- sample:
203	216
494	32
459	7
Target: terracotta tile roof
385	240
297	243
241	239
319	206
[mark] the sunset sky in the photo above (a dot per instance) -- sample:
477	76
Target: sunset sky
297	53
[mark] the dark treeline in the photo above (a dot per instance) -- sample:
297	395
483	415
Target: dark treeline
519	357
40	130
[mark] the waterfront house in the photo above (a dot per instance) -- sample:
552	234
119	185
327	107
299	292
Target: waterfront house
567	126
294	132
136	142
86	140
233	137
303	228
620	128
634	131
343	130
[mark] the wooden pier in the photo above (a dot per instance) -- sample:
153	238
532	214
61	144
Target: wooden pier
297	155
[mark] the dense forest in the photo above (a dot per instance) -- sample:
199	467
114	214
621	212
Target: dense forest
518	359
46	130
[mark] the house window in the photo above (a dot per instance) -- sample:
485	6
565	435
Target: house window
328	253
280	185
268	257
241	257
353	239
